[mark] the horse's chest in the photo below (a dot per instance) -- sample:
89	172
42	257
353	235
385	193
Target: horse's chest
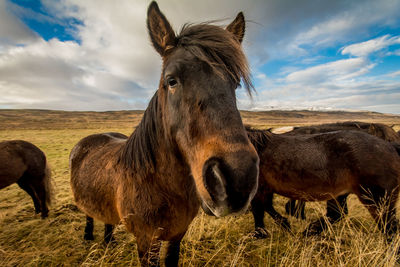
168	216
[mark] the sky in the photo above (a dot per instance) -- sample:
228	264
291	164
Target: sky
96	54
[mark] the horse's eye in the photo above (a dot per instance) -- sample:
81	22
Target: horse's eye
172	82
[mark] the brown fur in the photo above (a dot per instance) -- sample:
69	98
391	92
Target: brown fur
25	164
377	129
325	166
188	148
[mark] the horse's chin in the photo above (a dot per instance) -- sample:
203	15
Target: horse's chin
206	209
212	210
218	212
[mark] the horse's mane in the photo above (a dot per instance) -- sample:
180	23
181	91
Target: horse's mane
138	154
259	138
219	49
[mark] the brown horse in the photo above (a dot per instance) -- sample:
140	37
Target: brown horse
25	164
327	166
377	129
189	147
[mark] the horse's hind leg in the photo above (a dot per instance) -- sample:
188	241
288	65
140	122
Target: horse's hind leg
382	207
300	209
108	233
89	229
290	207
295	208
40	191
335	210
28	189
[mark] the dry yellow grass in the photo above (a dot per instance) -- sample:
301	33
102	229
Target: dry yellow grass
25	239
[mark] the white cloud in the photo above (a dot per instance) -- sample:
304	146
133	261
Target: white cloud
13	31
365	48
362	95
340	70
394	74
349	24
113	66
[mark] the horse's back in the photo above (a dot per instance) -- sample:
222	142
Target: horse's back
377	129
93	173
92	142
18	157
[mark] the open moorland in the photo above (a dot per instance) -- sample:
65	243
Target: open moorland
26	239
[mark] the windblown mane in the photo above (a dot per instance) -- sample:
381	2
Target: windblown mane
259	138
219	49
138	154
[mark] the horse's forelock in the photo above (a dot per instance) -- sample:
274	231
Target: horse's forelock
219	49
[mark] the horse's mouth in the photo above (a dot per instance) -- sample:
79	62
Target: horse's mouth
212	210
220	211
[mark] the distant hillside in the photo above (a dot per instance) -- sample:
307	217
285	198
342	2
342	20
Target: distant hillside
51	119
276	118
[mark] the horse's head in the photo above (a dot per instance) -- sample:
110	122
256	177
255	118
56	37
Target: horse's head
202	67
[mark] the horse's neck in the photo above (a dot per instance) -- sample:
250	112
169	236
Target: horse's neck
149	155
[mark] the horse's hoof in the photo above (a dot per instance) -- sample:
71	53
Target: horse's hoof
88	237
288	209
260	233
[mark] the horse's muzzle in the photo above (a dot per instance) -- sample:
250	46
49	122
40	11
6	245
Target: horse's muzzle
231	186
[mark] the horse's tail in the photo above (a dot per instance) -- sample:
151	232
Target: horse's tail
48	185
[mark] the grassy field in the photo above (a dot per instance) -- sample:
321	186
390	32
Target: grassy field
25	239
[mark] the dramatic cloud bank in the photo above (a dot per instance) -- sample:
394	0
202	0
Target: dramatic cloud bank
96	55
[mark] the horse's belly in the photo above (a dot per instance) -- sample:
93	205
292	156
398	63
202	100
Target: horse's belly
311	188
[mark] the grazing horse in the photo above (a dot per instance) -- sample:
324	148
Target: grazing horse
190	147
377	129
25	164
326	166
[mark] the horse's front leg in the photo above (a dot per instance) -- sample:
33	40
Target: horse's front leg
172	252
149	251
257	209
269	208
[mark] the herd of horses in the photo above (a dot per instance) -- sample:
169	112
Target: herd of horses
191	149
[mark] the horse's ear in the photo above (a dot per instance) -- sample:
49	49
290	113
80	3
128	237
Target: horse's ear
237	27
161	33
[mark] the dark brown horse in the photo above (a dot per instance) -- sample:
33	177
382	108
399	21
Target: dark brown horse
25	164
327	166
377	129
190	146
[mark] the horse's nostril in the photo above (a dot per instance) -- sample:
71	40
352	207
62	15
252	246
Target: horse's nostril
214	180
